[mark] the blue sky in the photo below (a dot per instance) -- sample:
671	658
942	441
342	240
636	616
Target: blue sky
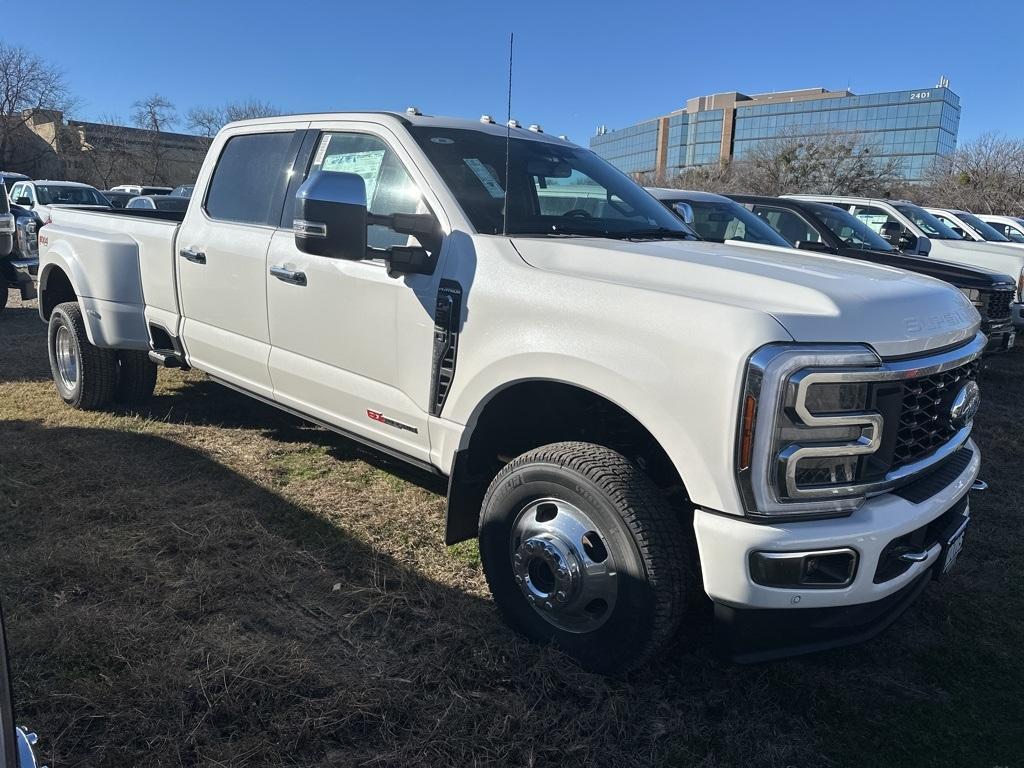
578	65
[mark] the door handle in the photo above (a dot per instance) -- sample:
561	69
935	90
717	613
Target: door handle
289	275
196	257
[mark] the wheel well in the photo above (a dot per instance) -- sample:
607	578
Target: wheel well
58	289
534	413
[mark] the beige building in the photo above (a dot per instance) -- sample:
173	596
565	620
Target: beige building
46	145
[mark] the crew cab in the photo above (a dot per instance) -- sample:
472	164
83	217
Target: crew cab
913	230
1010	227
823	228
627	417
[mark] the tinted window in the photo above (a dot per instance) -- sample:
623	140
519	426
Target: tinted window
852	231
927	223
788	224
56	194
251	172
720	221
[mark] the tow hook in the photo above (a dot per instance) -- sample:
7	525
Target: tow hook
979	485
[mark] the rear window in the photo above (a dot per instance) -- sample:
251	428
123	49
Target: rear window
250	176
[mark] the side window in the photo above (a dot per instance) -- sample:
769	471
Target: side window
876	218
389	188
250	178
953	225
788	224
15	192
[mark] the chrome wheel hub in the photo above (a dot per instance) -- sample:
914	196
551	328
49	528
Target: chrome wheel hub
66	354
563	565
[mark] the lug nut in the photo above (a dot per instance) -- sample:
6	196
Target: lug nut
560	597
548	605
519	580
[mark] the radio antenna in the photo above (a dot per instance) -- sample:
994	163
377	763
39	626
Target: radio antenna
508	136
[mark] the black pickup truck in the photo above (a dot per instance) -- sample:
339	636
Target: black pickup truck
19	257
827	229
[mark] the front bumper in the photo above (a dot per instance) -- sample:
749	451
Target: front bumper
1001	337
1018	316
751	614
23	275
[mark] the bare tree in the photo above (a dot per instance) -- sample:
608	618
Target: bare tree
27	84
107	157
829	164
985	175
206	121
155	115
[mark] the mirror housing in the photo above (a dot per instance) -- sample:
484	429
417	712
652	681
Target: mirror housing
891	232
330	215
683	210
23	201
907	242
924	245
814	245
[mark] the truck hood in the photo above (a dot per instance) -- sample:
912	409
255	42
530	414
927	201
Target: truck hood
960	275
815	298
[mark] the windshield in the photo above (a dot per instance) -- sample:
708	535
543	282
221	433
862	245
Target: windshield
555	189
852	231
983	229
926	222
53	194
720	221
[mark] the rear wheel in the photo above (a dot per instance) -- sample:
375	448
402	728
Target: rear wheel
85	375
580	549
136	377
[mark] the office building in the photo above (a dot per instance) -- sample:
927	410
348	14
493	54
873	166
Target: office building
914	126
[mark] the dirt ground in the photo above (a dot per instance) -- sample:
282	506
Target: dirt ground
210	582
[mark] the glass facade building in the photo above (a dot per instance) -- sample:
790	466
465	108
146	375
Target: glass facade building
914	127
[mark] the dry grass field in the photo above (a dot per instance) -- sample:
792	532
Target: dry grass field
209	582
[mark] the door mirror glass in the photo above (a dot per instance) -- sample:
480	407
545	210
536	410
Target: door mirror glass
25	202
330	215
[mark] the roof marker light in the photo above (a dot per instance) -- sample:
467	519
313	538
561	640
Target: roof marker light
487	119
413	111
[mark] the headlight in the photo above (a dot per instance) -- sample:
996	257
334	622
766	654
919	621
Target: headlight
808	429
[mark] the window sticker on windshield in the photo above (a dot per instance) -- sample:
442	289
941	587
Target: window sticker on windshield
365	164
486	176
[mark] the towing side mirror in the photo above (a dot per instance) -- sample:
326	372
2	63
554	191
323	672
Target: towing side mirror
907	242
330	215
24	201
683	210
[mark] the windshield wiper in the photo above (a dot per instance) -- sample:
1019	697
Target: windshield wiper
657	233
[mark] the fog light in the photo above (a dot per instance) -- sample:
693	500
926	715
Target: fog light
826	569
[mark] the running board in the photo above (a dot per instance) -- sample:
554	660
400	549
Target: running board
167	358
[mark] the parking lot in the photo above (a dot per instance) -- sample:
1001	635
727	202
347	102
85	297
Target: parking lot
211	582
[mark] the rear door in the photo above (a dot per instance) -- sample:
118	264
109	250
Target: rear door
222	254
792	226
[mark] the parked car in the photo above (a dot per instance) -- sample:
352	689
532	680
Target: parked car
138	189
118	199
626	415
824	228
970	227
913	230
1011	227
42	197
158	203
16	742
717	218
184	190
8	178
17	270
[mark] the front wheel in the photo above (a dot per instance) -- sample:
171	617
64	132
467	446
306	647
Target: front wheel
85	375
581	550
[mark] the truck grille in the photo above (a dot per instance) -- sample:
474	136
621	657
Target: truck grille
997	304
924	424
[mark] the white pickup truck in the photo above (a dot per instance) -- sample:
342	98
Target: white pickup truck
628	417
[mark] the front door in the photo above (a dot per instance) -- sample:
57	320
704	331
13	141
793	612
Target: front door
351	345
222	254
